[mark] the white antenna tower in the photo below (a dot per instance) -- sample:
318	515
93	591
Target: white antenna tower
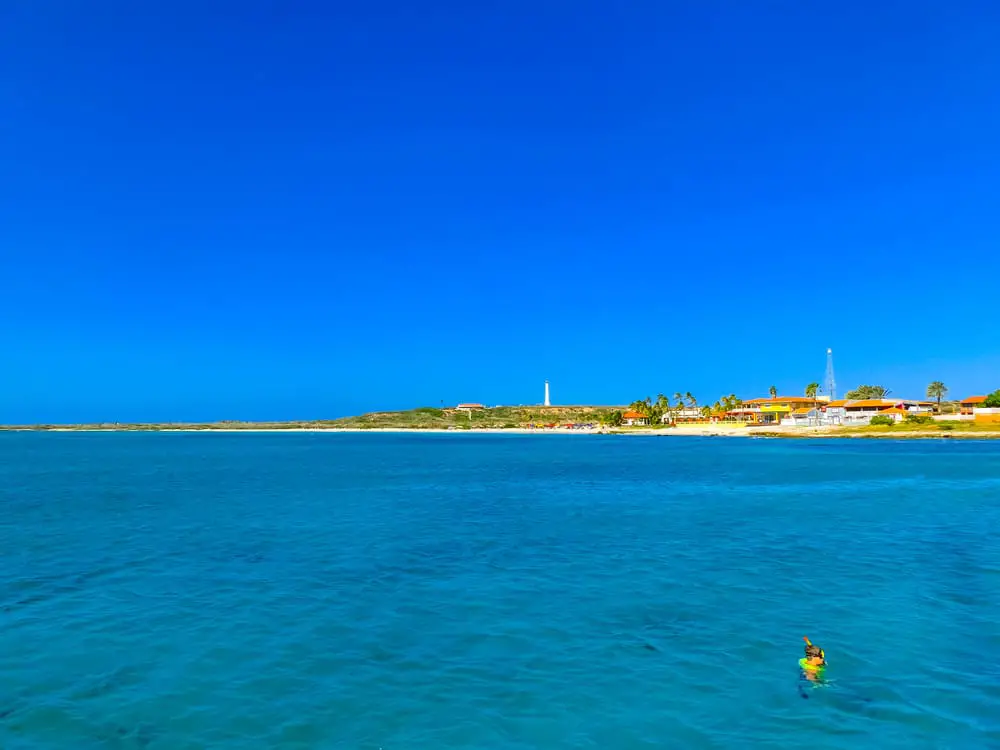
831	382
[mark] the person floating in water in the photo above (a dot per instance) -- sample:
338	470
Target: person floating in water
812	668
813	665
814	662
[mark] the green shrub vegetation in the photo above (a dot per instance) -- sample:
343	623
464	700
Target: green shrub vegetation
500	417
867	391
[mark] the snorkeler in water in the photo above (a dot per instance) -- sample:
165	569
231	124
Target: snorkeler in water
812	665
812	668
815	659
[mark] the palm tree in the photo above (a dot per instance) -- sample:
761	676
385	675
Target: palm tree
692	401
811	390
717	406
678	403
773	391
706	411
663	402
937	390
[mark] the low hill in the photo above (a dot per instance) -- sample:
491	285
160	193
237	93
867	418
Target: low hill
498	417
424	418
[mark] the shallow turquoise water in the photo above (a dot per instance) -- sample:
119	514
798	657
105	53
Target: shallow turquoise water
436	591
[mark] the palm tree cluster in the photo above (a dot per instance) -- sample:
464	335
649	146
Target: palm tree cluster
727	403
663	405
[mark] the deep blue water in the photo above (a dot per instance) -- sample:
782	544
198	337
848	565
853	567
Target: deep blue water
440	591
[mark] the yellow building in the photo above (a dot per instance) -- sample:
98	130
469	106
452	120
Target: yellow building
770	410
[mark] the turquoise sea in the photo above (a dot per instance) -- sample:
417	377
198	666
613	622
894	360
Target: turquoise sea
304	590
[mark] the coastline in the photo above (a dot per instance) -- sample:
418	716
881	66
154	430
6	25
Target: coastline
558	420
736	431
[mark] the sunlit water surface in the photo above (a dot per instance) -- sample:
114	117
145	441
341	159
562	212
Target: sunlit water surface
170	591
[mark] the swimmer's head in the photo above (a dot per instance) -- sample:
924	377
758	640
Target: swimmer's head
814	652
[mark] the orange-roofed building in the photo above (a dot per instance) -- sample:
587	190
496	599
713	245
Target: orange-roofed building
966	405
797	401
804	416
771	410
634	418
895	412
860	411
872	403
835	412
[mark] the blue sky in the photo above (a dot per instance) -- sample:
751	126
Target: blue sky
264	210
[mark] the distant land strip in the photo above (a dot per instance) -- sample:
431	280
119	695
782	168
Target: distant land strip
529	420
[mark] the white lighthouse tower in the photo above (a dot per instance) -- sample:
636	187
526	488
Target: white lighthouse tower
547	403
831	381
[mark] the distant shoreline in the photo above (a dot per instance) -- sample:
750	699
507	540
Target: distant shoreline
476	419
684	431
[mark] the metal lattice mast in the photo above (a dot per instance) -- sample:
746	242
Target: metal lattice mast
830	383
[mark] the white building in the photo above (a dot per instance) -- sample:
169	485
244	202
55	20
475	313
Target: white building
804	417
858	412
685	414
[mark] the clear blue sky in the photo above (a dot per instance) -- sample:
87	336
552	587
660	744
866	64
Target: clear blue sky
307	209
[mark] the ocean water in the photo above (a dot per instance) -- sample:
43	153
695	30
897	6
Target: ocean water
168	591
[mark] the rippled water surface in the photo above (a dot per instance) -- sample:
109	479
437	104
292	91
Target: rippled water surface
462	591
